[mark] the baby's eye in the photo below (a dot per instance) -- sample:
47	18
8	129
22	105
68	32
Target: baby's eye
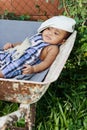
48	28
56	33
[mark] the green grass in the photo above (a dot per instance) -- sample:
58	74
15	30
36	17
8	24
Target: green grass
65	112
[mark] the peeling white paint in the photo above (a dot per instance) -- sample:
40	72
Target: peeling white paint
21	83
15	86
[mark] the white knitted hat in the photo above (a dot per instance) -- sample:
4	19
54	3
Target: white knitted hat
59	22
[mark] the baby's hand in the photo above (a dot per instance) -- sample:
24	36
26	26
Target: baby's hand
7	46
27	69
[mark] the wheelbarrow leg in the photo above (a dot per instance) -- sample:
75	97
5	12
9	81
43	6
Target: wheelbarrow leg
30	117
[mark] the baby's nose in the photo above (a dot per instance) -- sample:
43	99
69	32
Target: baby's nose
50	33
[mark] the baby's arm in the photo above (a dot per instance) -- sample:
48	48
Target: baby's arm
46	62
10	45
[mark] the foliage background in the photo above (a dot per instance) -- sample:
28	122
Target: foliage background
64	106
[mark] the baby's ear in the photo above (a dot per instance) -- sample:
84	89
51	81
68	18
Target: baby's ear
63	41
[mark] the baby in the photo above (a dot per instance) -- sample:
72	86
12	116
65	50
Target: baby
24	59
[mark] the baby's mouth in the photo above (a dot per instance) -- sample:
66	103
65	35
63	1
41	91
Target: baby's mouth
47	37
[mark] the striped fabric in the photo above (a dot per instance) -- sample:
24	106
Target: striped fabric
11	68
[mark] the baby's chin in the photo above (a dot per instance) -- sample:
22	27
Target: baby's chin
47	40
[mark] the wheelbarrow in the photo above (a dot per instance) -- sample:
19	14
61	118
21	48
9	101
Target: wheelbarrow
28	92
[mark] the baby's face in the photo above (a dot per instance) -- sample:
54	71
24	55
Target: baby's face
53	36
